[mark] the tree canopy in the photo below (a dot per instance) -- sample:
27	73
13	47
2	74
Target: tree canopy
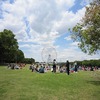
20	56
9	49
87	32
8	45
29	60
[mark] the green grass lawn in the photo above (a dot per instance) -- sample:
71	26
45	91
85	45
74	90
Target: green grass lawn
26	85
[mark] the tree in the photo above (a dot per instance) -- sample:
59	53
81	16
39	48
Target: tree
87	32
19	56
8	46
9	49
29	60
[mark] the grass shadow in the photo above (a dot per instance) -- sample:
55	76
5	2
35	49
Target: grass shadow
97	83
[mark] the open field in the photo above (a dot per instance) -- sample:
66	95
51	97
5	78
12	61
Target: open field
26	85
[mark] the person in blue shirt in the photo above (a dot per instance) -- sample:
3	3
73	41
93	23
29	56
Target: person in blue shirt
41	70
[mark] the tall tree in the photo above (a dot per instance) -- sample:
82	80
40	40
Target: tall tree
8	46
87	32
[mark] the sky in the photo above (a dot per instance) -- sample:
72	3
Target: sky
41	27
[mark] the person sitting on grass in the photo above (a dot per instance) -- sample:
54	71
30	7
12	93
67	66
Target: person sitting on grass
41	70
30	67
91	69
33	69
61	69
16	67
9	65
36	68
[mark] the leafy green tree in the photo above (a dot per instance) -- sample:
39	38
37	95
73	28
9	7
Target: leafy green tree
87	32
8	46
19	56
91	62
29	60
9	49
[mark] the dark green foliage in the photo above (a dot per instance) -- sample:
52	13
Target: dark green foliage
8	46
29	60
91	63
9	51
19	56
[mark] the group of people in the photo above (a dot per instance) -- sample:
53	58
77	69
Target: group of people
67	69
16	66
37	69
42	67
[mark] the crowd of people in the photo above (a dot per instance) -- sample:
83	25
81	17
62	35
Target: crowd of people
67	68
54	67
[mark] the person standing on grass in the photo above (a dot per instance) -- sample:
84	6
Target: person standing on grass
54	65
75	67
67	67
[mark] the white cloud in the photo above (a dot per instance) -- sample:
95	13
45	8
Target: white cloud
65	4
68	38
75	44
73	54
40	22
47	19
32	51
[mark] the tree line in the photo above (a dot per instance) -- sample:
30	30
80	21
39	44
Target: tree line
84	63
9	49
89	63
